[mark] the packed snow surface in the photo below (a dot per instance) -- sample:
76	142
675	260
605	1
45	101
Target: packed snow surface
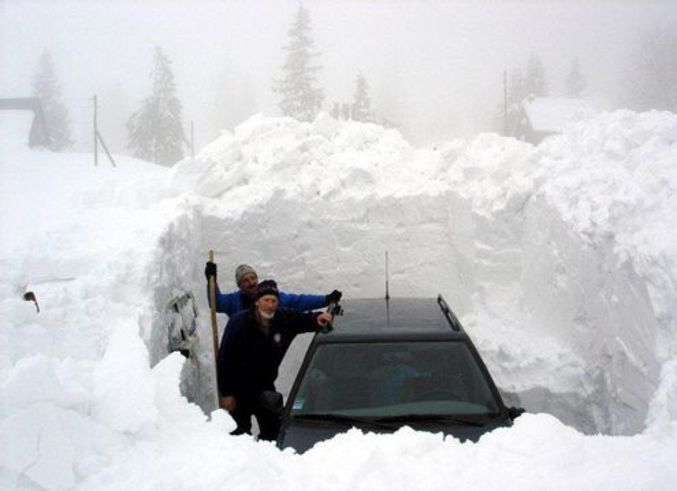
560	260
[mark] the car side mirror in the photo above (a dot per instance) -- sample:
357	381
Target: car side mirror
514	412
271	401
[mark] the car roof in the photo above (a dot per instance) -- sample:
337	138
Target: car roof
374	319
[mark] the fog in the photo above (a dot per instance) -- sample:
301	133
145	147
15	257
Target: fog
434	67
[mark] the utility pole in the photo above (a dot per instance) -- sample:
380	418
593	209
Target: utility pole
192	140
98	138
190	144
96	132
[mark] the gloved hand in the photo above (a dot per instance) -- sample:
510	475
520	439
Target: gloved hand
334	296
210	270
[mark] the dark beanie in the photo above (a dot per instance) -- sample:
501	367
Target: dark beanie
266	287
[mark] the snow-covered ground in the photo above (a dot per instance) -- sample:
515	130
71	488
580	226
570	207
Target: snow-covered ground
561	261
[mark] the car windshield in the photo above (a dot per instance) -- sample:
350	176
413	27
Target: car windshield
393	379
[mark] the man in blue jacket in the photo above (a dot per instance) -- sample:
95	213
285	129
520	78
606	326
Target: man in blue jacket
253	346
247	280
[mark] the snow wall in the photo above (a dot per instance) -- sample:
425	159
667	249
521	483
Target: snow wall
558	258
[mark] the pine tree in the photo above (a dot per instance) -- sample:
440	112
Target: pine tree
393	97
155	131
653	77
47	89
516	89
301	99
516	94
534	81
361	104
575	80
498	121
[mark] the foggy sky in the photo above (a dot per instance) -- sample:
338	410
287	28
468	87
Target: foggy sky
433	66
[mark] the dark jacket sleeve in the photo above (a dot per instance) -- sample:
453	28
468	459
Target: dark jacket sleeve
227	360
302	321
226	303
302	301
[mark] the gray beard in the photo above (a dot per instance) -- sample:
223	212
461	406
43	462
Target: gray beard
266	315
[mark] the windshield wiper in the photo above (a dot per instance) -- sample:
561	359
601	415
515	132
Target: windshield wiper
341	418
431	418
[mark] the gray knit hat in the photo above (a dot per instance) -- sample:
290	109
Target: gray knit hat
242	270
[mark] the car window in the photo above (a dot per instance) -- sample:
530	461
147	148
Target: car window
394	378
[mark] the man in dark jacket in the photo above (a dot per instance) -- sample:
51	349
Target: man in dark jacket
246	280
252	348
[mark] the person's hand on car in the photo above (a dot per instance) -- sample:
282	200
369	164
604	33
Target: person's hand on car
324	318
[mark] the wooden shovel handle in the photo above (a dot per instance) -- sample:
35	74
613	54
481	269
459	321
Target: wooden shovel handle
215	331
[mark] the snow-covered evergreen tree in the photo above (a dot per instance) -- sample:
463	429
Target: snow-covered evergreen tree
498	124
653	77
534	80
516	94
516	89
301	98
155	131
575	81
46	88
361	104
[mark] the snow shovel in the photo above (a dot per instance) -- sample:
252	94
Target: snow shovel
215	332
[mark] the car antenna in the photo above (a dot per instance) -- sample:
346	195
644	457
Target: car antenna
387	292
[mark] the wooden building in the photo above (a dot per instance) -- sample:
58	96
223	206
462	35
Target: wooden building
540	117
38	135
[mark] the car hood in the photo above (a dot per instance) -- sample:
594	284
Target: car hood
303	435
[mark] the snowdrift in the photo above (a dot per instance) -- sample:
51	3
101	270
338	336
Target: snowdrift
558	257
560	260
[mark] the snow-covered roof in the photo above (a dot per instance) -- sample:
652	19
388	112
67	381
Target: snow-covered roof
15	127
550	114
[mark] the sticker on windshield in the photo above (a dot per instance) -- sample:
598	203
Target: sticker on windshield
298	403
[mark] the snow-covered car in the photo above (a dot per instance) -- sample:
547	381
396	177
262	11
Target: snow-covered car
389	364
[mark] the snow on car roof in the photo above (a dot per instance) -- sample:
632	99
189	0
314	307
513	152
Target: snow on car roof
398	317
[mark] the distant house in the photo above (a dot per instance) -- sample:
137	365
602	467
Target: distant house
26	107
539	117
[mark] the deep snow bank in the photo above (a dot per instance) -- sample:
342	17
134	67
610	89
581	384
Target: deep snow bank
559	258
590	214
565	246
